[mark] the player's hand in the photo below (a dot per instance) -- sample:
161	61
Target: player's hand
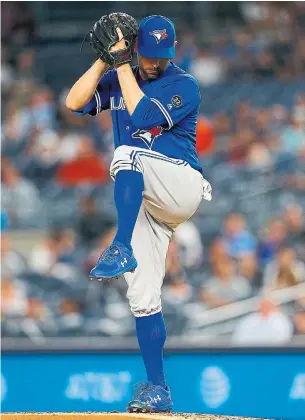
121	45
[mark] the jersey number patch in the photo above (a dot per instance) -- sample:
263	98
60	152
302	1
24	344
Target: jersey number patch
148	136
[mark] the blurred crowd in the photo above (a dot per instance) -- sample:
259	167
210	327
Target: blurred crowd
250	241
250	54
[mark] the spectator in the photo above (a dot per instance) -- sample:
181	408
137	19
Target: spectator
249	269
268	326
299	109
14	301
299	14
282	50
292	139
241	56
207	68
218	251
239	146
44	255
43	109
186	51
69	143
68	258
70	316
257	14
174	268
176	290
37	310
294	220
279	116
17	125
25	66
243	115
33	108
42	157
45	147
67	246
205	137
262	121
56	255
274	238
222	128
104	135
299	57
299	319
87	167
225	286
259	157
285	271
12	262
295	223
102	243
295	180
7	73
189	241
20	197
39	320
92	223
264	66
239	241
17	23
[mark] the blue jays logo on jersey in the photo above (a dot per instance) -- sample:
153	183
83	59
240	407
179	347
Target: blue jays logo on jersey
148	136
159	34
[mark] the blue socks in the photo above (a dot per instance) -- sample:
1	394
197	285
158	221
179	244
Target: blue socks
151	335
128	196
151	332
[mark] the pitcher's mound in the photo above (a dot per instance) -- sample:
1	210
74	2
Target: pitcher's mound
116	416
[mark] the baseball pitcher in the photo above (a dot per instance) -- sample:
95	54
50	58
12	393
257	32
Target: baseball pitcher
158	181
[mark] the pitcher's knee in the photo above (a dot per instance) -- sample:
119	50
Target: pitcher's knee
144	305
125	159
122	152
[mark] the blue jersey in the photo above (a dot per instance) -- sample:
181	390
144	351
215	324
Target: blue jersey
164	120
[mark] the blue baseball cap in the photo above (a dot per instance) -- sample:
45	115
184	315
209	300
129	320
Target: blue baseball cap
156	37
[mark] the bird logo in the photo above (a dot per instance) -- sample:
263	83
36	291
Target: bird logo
148	136
159	34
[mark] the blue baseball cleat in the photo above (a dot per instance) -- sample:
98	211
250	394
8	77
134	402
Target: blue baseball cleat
150	398
116	260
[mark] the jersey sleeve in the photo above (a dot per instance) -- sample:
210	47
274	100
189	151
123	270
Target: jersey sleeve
100	101
169	105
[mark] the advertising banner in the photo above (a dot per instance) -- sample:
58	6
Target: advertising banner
270	385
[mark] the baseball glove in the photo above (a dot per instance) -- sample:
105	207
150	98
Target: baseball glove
104	35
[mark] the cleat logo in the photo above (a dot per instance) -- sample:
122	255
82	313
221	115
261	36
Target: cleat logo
157	398
123	262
